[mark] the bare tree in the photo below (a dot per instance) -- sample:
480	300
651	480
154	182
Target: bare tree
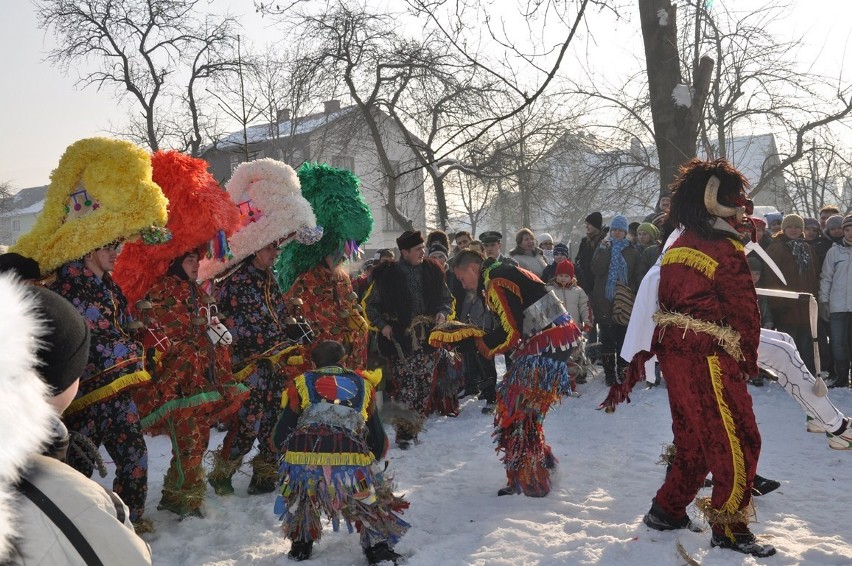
820	177
158	52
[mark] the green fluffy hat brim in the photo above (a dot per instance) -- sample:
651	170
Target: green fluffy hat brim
341	210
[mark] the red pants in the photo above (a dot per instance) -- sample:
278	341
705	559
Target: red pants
714	431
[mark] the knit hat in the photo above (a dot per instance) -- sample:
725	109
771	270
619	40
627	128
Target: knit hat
846	221
100	192
619	222
772	217
199	211
545	237
561	249
565	267
834	222
792	221
596	220
650	229
437	249
64	347
812	223
409	239
268	197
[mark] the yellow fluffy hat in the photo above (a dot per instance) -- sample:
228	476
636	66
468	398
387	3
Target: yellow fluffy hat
100	192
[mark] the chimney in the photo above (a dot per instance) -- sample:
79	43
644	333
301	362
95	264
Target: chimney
331	106
283	115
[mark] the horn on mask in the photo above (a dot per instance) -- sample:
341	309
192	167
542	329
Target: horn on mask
711	201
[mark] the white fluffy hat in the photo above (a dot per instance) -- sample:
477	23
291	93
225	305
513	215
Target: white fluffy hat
272	208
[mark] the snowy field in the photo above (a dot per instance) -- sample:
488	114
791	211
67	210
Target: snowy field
607	475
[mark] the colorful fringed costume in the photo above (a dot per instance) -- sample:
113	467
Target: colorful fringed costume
331	438
193	385
708	281
408	297
532	322
100	194
312	272
272	213
103	410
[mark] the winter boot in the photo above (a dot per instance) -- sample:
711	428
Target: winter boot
221	474
609	367
300	550
265	476
659	520
381	552
762	486
745	543
841	374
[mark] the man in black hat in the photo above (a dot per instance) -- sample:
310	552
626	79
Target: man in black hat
492	242
596	232
408	297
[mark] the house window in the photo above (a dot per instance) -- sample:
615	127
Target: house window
391	225
343	162
16	225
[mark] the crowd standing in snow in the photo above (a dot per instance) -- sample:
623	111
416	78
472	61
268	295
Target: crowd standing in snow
233	310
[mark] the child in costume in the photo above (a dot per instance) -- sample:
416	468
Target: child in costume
193	385
272	213
101	194
314	274
533	323
565	287
332	438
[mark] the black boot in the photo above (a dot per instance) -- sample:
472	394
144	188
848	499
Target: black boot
301	550
381	552
609	367
659	520
745	543
762	486
841	374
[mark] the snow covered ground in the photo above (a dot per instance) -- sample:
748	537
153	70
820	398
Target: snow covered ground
607	475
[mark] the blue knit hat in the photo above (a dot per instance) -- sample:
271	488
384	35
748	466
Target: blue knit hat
619	222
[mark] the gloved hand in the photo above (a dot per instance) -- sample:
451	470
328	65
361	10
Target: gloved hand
824	313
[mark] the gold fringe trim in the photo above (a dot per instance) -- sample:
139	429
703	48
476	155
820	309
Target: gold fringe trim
493	296
692	258
737	244
735	499
302	389
726	337
438	337
372	376
107	391
327	459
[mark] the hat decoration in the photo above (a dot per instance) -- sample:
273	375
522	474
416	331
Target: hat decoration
100	192
199	211
271	208
340	208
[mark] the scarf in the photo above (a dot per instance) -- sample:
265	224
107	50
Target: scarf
799	249
617	267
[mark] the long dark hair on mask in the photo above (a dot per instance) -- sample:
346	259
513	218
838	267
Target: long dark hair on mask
687	190
176	267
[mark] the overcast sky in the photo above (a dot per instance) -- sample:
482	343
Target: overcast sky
42	112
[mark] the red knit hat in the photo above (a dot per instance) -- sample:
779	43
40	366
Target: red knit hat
198	210
565	267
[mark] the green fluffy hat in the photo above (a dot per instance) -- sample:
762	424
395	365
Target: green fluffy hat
340	209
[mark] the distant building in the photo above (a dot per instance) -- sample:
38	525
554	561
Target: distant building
340	137
19	213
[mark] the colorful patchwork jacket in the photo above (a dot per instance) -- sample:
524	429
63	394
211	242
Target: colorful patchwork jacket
116	360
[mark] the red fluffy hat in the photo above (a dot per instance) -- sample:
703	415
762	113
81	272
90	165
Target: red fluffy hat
201	214
565	267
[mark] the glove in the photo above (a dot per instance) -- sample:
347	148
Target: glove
824	313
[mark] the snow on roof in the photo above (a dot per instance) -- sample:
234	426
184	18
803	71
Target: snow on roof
295	127
749	153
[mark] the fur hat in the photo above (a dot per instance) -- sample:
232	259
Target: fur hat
25	415
272	208
794	221
565	267
409	239
619	222
340	208
100	192
596	220
198	211
834	222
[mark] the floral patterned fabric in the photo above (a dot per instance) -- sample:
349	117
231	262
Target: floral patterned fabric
331	310
115	357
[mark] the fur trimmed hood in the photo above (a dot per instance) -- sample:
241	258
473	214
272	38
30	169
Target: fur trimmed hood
271	206
25	415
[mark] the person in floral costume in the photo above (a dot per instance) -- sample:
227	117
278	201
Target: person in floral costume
100	194
192	383
266	348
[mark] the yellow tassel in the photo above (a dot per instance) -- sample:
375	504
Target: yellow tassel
327	459
302	388
107	391
372	376
692	258
733	504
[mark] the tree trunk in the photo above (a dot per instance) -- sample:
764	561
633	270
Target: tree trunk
676	109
